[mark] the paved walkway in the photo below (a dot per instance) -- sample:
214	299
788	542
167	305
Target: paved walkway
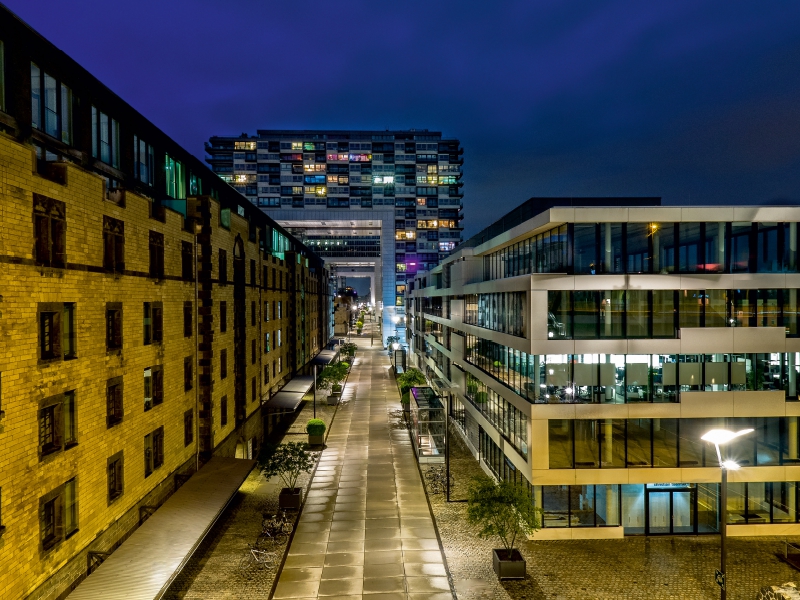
366	529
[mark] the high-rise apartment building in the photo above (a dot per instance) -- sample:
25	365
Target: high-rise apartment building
586	345
377	204
148	312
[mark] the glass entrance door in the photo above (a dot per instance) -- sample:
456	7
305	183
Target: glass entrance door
671	511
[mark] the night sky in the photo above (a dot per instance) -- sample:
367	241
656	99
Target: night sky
694	101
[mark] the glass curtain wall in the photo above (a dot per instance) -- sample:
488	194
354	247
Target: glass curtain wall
595	248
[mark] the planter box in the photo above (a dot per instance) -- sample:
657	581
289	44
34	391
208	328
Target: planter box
505	568
333	399
316	440
290	498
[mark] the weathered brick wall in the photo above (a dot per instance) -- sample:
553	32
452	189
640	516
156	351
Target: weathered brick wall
25	567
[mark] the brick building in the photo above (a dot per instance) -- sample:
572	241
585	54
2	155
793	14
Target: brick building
147	311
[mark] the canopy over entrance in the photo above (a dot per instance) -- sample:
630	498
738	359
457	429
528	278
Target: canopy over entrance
145	565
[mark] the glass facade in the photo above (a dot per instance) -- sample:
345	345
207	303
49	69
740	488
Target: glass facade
503	312
510	422
595	248
628	378
662	313
671	443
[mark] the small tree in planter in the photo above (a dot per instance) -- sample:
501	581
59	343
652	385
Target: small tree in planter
316	432
287	461
504	510
348	349
359	326
331	379
405	381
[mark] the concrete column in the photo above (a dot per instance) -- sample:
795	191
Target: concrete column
608	447
607	264
612	507
721	250
792	242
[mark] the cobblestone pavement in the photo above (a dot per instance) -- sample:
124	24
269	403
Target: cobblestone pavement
632	568
366	529
212	572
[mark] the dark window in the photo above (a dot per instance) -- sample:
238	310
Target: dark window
142	161
187	373
50	430
115	476
188	427
113	245
223	316
68	345
50	229
153	323
114	407
252	313
223	364
49	335
273	278
187	319
153	387
253	351
223	266
223	410
156	255
253	389
153	451
187	260
266	312
113	325
266	374
264	272
49	511
51	105
105	138
69	412
252	272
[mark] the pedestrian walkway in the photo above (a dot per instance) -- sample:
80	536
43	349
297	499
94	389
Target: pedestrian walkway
366	528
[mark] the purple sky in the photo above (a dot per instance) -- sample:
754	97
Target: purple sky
696	101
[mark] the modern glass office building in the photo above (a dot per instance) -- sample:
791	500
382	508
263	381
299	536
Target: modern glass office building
587	344
376	204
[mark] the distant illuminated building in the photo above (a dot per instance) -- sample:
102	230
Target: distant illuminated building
377	204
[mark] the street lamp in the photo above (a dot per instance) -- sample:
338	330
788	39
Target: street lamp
717	437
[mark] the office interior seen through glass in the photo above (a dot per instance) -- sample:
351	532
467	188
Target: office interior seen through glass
595	248
666	508
628	378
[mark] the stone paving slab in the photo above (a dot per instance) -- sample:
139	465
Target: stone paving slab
366	532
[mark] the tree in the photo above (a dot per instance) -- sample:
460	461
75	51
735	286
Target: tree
286	461
332	375
502	509
408	379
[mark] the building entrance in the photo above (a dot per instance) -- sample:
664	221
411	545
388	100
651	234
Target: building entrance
671	511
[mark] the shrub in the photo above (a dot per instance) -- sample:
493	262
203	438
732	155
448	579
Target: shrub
332	375
286	461
502	509
315	427
410	378
348	349
481	397
359	324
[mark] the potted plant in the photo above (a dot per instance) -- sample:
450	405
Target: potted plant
504	510
331	379
287	461
348	349
359	326
315	428
405	381
481	397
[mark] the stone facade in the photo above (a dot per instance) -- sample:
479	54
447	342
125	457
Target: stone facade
99	290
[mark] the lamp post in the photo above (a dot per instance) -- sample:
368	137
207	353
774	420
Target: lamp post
315	391
717	437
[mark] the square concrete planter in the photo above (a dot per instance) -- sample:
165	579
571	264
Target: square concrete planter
333	399
316	440
508	568
290	499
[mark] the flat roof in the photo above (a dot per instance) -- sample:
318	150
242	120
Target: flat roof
146	564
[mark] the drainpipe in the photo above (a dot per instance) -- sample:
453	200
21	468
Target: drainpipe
196	356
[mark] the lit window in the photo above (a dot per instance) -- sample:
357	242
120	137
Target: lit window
297	146
244	145
420	201
176	183
400	267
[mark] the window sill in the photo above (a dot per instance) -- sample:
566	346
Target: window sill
69	445
47	451
71	533
113	351
50	544
111	424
